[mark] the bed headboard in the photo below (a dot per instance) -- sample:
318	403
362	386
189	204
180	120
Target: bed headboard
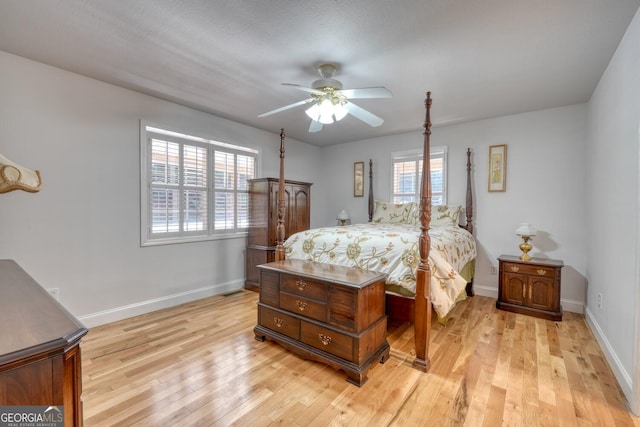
468	201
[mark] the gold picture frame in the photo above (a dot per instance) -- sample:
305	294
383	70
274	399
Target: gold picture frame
358	179
498	168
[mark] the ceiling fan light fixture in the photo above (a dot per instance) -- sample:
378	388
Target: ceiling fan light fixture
326	109
313	112
326	119
340	111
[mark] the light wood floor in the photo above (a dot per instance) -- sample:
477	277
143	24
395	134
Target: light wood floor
199	364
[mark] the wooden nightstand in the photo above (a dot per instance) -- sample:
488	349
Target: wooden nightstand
531	287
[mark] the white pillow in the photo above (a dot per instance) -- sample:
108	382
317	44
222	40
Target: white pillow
445	215
392	213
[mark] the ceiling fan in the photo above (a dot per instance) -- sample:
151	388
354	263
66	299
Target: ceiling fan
330	102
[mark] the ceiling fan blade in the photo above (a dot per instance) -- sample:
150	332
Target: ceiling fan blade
286	107
367	92
315	126
362	114
304	88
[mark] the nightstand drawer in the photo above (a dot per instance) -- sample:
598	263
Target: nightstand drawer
528	269
303	306
303	286
279	322
327	340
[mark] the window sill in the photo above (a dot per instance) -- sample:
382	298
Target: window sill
194	239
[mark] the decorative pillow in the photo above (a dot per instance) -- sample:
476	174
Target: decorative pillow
414	214
391	213
445	215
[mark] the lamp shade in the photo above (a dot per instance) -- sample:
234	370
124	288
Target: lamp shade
525	229
343	215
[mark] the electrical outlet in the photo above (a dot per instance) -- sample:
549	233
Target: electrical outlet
54	293
494	269
599	300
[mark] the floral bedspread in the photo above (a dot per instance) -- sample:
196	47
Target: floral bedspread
392	249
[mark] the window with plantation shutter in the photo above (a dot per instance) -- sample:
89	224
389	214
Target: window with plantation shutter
192	188
406	176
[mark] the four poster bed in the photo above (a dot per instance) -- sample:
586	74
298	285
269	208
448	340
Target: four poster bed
423	267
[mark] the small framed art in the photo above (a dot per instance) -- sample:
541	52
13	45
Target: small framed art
498	167
358	179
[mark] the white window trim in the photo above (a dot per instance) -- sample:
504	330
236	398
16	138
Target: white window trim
145	187
418	153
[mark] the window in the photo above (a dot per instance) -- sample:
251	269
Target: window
407	176
192	188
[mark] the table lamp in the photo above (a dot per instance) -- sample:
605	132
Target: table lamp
342	217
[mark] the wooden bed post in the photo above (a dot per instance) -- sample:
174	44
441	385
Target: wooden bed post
370	190
422	323
280	254
469	201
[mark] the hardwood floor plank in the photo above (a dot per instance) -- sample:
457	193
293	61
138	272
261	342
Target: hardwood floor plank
199	364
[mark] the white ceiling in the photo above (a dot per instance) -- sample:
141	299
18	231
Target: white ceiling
480	59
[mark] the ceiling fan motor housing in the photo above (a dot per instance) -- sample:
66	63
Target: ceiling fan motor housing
326	72
325	83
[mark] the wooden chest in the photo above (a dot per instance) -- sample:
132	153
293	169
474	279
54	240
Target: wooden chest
326	313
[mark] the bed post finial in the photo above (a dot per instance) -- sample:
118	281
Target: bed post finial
422	323
280	254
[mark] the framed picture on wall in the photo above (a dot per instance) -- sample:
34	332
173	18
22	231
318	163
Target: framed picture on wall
358	179
498	167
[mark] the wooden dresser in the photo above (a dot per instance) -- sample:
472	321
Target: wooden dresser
263	215
326	313
530	287
39	347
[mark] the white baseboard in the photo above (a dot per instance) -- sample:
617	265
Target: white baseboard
485	291
573	306
623	377
143	307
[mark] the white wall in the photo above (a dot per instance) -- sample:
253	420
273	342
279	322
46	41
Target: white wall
545	186
81	232
613	212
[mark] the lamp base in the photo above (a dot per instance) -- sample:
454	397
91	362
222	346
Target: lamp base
525	257
525	247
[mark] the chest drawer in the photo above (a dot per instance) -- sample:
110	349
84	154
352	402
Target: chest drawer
328	340
280	322
303	306
529	270
304	287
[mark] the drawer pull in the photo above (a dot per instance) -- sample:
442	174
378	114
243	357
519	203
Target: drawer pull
524	290
324	339
301	305
542	272
515	268
530	292
301	284
278	321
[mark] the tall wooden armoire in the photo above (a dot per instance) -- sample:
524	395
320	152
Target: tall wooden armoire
263	217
